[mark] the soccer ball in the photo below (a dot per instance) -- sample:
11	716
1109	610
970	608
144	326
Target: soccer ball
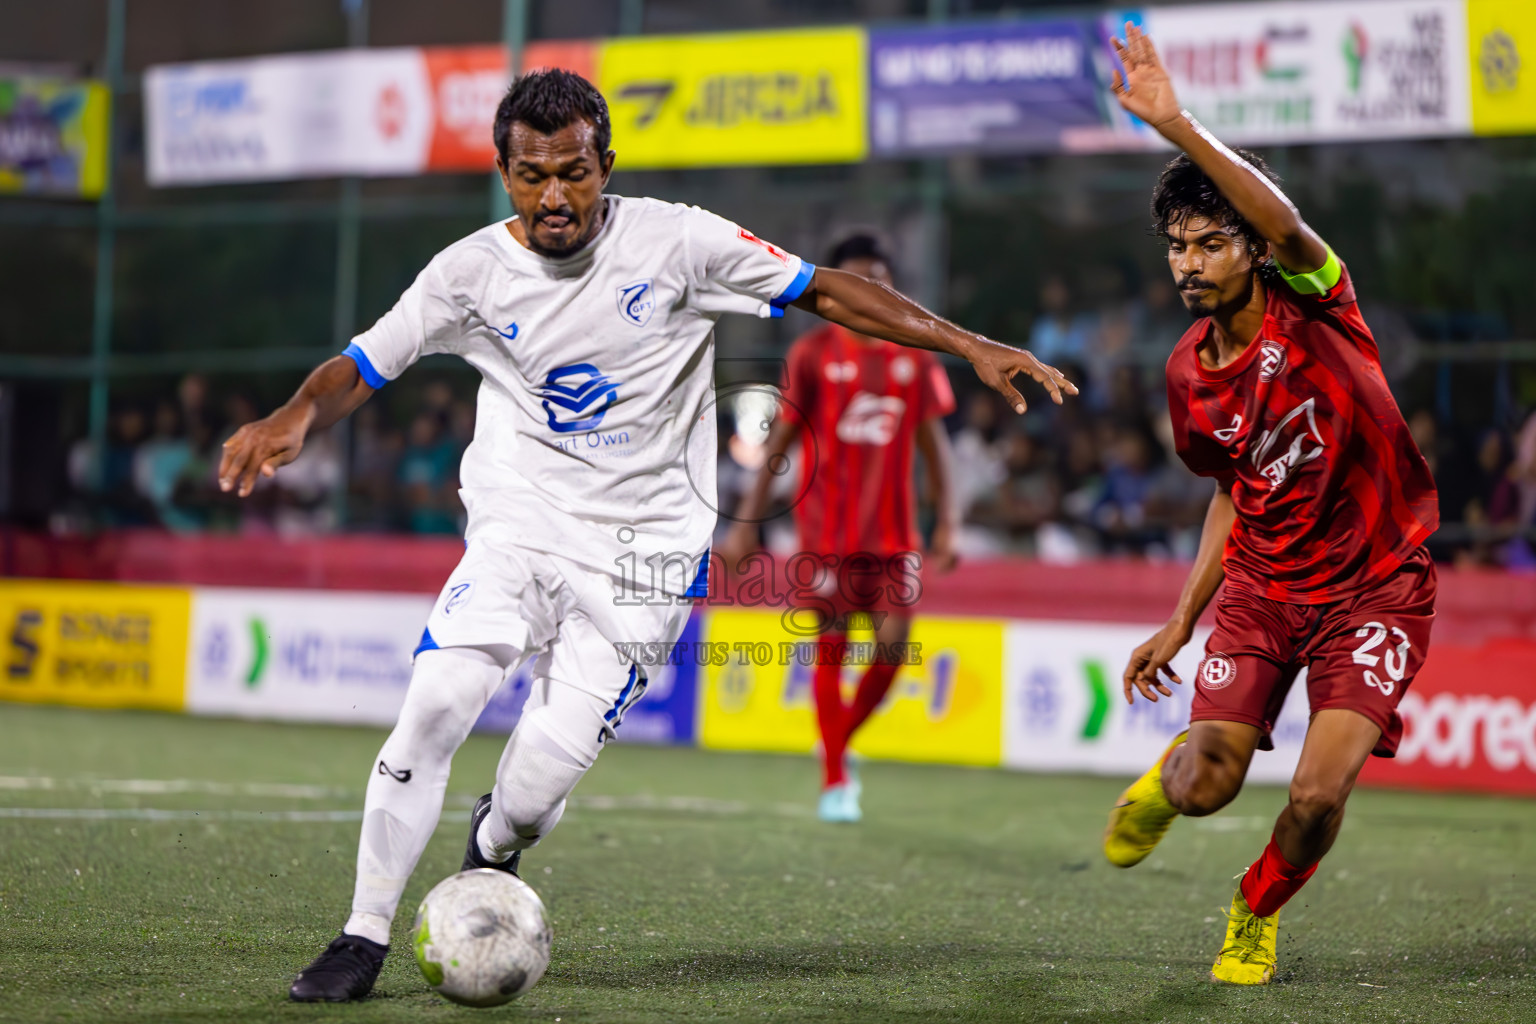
482	937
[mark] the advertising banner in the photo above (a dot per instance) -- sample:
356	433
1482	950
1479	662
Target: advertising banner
53	136
305	655
1501	36
335	656
100	645
747	98
1469	722
1292	72
1009	86
944	704
1064	708
378	112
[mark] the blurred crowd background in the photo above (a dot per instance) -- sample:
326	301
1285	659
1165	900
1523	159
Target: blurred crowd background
222	297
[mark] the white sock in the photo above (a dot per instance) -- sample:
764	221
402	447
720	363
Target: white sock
449	689
368	926
536	774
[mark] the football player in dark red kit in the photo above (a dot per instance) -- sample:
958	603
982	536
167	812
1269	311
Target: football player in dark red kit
1322	507
858	406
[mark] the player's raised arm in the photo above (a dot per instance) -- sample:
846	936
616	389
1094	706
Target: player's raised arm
1146	90
332	392
868	307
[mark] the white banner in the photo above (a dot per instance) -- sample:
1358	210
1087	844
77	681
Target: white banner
1297	72
400	111
303	655
1063	709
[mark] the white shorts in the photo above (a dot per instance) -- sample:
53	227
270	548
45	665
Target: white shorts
569	620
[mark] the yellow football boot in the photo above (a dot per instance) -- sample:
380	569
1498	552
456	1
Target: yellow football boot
1248	958
1137	822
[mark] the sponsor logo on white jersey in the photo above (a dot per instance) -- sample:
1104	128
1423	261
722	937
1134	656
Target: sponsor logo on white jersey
1271	359
1293	442
870	419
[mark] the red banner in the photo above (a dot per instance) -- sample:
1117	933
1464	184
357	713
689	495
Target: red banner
1469	722
467	83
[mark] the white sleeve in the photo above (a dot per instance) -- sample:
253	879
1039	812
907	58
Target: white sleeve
734	271
427	319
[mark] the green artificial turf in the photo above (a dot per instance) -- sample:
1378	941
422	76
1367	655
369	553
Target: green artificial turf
691	886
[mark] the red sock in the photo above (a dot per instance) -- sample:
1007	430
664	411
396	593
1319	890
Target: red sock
873	686
827	689
1272	880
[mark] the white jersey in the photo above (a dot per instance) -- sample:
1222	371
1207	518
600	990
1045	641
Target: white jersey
595	426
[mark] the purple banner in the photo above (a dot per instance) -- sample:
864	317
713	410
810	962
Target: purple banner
998	87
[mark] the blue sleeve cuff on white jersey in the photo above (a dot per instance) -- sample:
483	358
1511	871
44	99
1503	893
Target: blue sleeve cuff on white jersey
371	377
795	289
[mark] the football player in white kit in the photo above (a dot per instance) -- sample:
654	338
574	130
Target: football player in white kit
590	318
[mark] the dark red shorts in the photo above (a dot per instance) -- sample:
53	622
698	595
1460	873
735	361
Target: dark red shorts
1361	653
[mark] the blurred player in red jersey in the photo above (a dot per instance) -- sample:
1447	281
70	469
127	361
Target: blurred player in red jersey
1322	507
858	405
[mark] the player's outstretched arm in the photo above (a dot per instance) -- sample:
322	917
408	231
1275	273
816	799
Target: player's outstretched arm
329	394
1147	91
1151	659
868	307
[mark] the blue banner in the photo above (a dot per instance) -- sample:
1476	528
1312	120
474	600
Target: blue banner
997	87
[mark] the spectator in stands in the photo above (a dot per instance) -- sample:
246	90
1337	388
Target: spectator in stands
158	465
427	476
1057	336
978	454
376	452
1121	515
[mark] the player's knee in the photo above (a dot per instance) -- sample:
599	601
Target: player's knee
1316	803
1207	782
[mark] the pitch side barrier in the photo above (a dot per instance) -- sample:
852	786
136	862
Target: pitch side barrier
1009	663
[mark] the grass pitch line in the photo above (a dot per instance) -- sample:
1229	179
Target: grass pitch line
158	787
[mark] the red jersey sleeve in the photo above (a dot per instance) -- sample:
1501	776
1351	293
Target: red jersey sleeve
935	396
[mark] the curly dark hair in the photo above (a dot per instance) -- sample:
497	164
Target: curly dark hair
548	100
1183	191
860	244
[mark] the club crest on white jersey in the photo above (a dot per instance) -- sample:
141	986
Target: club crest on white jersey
637	301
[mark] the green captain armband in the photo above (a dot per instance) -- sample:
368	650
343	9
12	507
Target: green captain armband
1319	282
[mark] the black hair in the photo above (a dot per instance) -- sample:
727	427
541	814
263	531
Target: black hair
1184	191
548	100
860	244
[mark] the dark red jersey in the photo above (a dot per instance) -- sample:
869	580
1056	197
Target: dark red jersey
1331	492
859	404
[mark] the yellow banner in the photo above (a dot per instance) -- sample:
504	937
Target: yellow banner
944	706
100	645
53	136
750	98
1502	35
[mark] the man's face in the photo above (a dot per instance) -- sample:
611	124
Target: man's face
1212	266
556	185
874	269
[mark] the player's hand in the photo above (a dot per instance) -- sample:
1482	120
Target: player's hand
997	364
1145	89
941	549
739	542
260	448
1152	658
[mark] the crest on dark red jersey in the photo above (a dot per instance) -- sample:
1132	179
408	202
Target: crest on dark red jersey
1271	359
